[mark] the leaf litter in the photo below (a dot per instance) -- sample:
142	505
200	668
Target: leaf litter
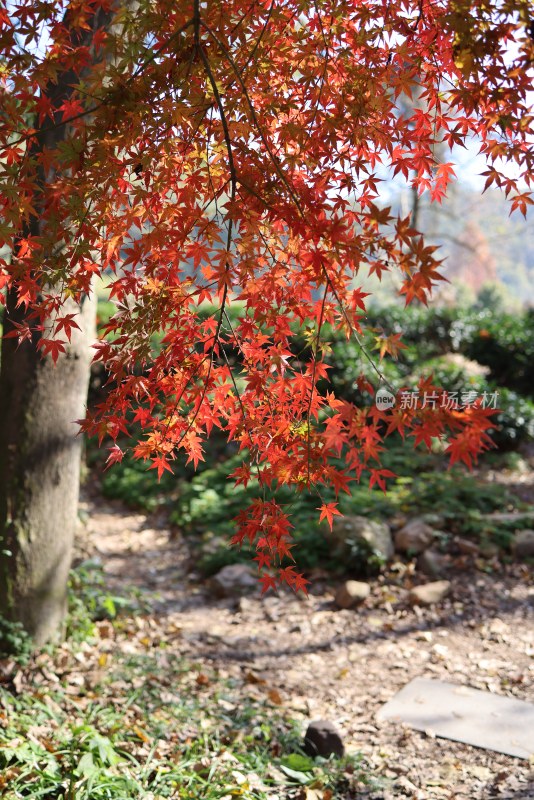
187	695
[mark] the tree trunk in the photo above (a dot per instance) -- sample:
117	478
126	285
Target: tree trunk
39	403
39	444
39	474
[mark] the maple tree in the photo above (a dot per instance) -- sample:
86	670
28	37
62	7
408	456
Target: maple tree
235	152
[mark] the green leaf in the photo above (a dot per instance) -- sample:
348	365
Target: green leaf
298	767
298	761
86	767
105	749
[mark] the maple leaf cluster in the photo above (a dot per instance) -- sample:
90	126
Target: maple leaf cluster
229	152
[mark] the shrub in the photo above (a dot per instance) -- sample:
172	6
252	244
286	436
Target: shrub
14	641
514	422
504	343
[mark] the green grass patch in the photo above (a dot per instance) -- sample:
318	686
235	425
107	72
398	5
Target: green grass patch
90	601
121	715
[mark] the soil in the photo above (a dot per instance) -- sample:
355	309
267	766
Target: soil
342	665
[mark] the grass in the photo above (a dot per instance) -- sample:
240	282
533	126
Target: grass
119	715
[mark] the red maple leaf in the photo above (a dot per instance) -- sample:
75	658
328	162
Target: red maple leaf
328	512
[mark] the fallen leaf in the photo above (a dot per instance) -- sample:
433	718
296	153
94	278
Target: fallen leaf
275	697
482	773
18	681
141	734
225	704
251	677
238	777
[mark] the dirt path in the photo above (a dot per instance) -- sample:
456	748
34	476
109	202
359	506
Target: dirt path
317	661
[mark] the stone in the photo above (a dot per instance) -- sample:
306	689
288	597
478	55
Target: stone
488	549
351	593
244	605
432	563
376	536
462	714
429	593
434	520
397	521
414	537
234	580
467	547
508	516
523	544
323	739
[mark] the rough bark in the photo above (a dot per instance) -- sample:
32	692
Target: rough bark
39	475
39	446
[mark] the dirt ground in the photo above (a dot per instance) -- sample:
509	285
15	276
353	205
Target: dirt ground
343	665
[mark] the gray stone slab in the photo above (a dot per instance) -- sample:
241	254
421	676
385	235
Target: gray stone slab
466	715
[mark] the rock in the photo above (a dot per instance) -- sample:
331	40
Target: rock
467	547
234	580
488	549
353	530
323	739
523	544
434	520
432	563
508	516
244	605
415	537
213	544
397	521
429	593
351	593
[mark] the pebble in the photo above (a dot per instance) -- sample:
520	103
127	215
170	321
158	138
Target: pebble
352	593
323	739
429	593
